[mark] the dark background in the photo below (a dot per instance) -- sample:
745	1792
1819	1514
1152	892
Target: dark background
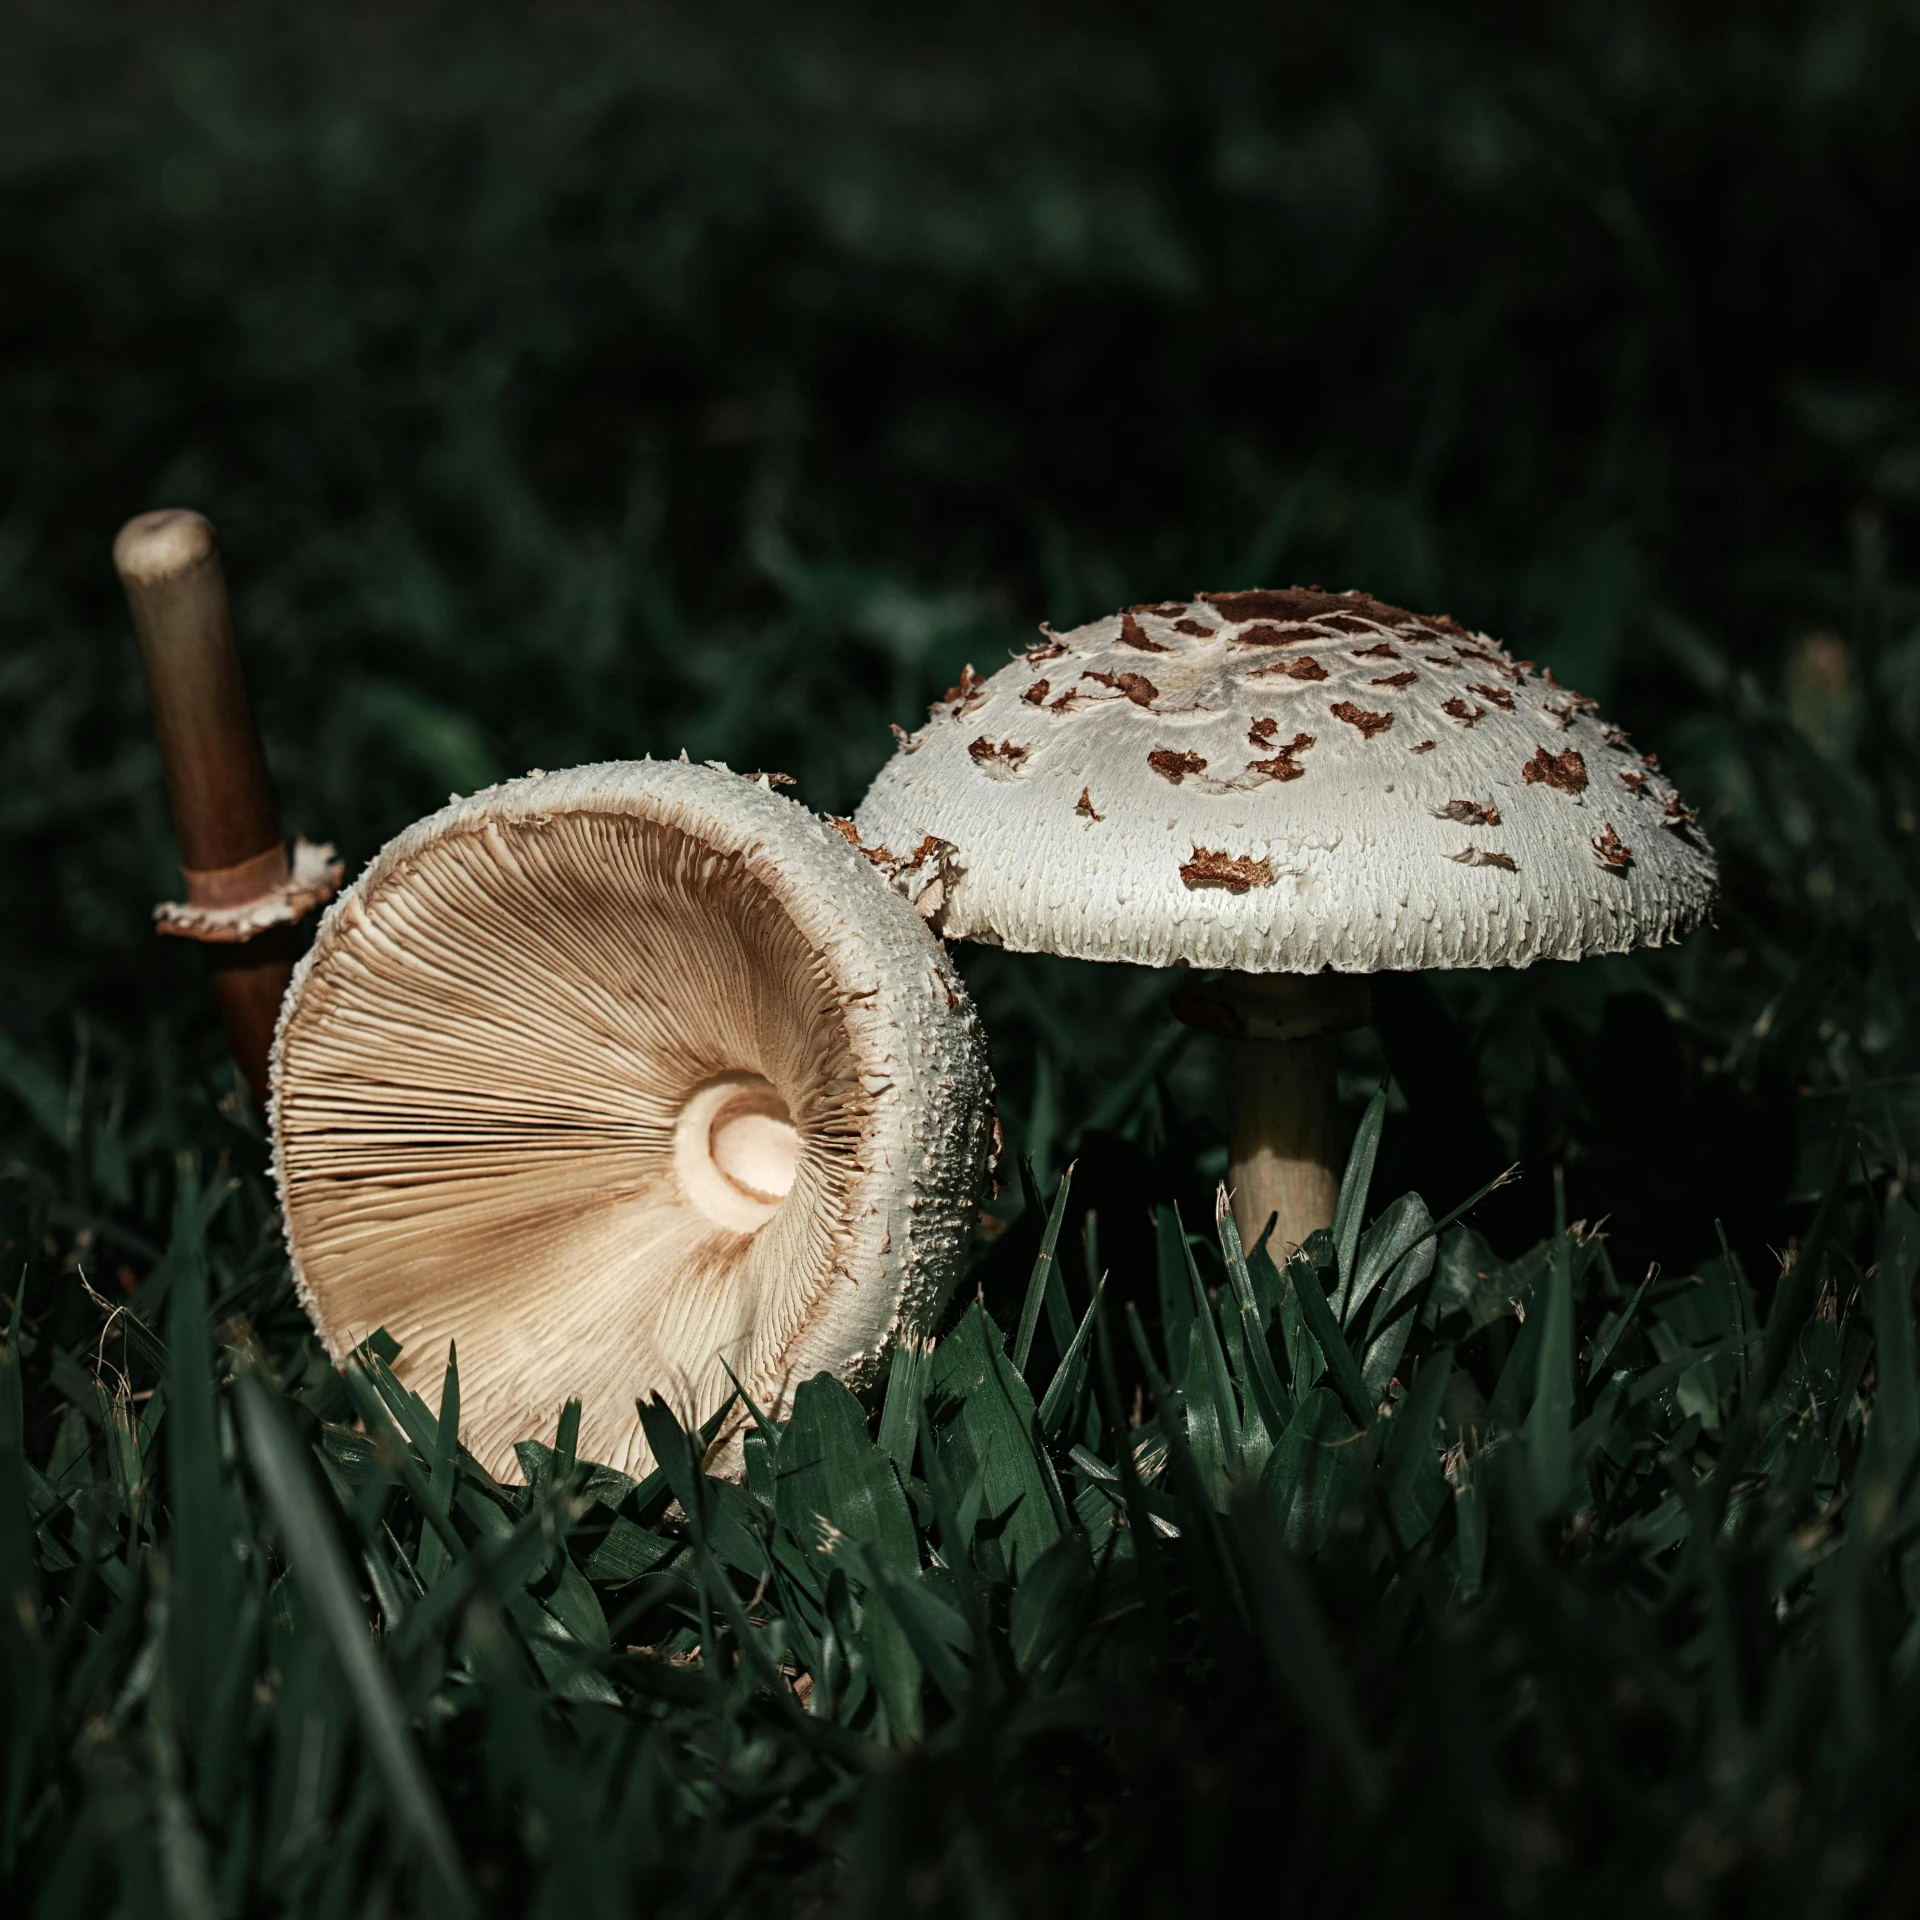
572	383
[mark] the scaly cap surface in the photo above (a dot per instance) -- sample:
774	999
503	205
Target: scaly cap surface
1284	781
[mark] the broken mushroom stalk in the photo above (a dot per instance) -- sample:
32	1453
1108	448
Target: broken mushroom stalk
628	1079
1299	788
246	887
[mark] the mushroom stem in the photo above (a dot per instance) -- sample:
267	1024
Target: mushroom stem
1282	1132
224	814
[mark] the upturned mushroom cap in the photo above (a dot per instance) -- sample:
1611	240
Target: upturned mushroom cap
617	1078
1285	781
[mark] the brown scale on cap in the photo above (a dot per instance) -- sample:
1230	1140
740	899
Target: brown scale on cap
1615	736
1004	759
1634	780
1469	813
1405	679
1036	694
1498	661
1134	686
1267	635
846	830
1472	856
1461	710
1379	652
1085	808
1611	851
1283	766
1261	733
1193	629
1568	708
1175	766
1423	746
1047	650
1493	696
1298	603
964	695
1301	667
1368	723
1133	634
1565	771
1680	816
931	895
1232	872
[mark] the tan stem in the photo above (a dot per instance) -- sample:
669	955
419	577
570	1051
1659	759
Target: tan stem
1283	1144
224	814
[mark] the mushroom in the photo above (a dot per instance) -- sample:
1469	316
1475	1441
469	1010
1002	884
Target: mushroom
635	1077
1299	787
246	888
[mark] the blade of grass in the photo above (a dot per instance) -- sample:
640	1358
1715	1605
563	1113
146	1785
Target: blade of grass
1268	1394
1176	1303
1742	1310
1059	1312
400	1456
1604	1352
1225	1403
1505	1178
1146	1546
1549	1424
1042	1274
287	1483
1343	1370
1203	1542
1058	1399
1350	1209
899	1413
446	1460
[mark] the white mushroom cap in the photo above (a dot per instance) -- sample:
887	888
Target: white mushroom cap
614	1076
1285	781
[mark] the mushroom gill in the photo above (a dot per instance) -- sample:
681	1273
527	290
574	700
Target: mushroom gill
618	1079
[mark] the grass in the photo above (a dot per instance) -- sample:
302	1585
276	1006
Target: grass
586	385
1400	1567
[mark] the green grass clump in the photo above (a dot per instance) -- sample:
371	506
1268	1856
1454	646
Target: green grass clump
1398	1574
